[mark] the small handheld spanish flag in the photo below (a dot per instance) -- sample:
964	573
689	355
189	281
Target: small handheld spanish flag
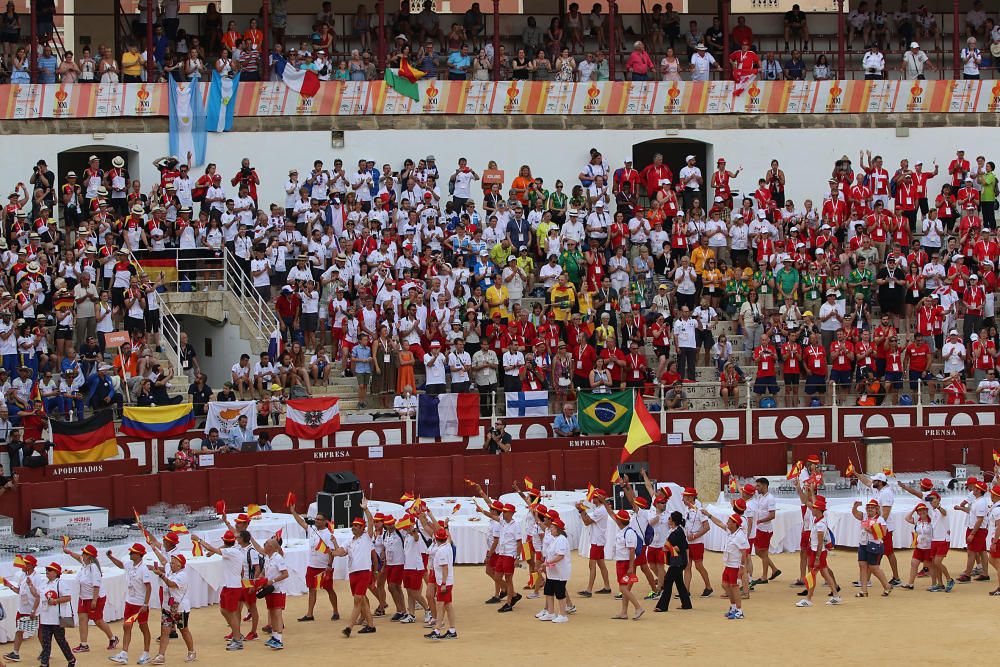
277	535
406	521
591	490
322	547
996	457
724	467
457	507
196	549
65	541
795	471
469	482
137	519
529	483
850	472
811	579
290	499
733	486
674	551
417	504
406	497
132	619
3	582
878	531
319	580
254	511
146	536
179	528
19	561
887	472
247	583
220	506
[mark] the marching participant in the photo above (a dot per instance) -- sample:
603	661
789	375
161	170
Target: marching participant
765	510
806	486
413	570
733	556
558	568
430	527
507	546
870	546
886	497
233	558
273	586
975	534
444	577
177	606
819	547
90	605
695	528
941	579
993	538
626	545
597	520
655	554
28	599
379	574
138	588
676	549
923	529
532	533
642	518
395	559
319	563
494	507
359	567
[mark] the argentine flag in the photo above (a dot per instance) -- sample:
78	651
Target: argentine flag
222	102
187	121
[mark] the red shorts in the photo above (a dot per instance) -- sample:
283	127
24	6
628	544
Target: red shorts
887	543
995	550
275	601
324	582
249	597
443	594
696	552
412	579
654	556
133	609
923	555
425	557
621	569
394	574
360	582
641	559
977	542
940	547
431	581
504	565
805	540
731	576
229	598
817	560
762	541
491	562
596	552
95	614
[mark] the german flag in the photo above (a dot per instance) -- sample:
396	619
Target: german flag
63	302
92	439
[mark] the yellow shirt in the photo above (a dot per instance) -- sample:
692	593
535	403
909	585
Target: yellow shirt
585	303
496	299
713	278
130	64
699	256
603	334
562	299
527	265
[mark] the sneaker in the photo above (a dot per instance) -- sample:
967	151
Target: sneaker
13	656
935	589
653	595
305	619
544	615
908	587
560	619
159	660
278	645
515	600
346	632
427	617
247	618
964	579
270	642
234	645
802	593
335	616
585	594
144	659
571	609
395	617
191	656
976	570
504	609
250	637
494	600
894	582
451	634
113	644
430	624
81	648
267	628
835	600
408	619
777	573
533	595
433	635
730	614
604	591
738	615
120	658
367	630
804	603
618	596
797	582
707	593
856	584
949	586
229	637
983	577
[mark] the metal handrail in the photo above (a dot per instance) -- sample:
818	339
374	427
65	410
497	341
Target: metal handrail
258	314
170	328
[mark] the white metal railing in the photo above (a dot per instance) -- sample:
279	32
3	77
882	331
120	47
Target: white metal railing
170	328
259	316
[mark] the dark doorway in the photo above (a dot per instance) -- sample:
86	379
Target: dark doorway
76	160
674	151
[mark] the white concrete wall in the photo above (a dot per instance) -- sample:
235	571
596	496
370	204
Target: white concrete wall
227	346
805	155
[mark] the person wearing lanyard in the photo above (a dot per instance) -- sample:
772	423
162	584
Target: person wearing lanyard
26	619
871	546
886	498
273	587
734	553
923	532
596	519
177	606
676	551
90	604
50	611
819	545
138	583
359	567
626	544
695	530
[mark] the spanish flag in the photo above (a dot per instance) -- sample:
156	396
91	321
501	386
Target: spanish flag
247	583
65	541
878	531
19	561
406	497
850	469
132	619
179	528
887	472
527	551
457	507
794	472
642	430
528	483
733	486
591	490
996	457
92	439
674	551
811	579
290	499
319	580
196	549
254	511
724	467
322	547
406	521
160	422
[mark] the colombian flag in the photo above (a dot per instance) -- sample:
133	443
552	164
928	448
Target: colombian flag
159	422
92	439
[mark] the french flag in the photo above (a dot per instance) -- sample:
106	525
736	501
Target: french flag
448	415
303	81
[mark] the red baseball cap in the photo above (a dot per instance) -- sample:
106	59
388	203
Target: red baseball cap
812	458
228	536
30	560
736	518
553	515
358	522
820	503
497	505
180	559
91	550
740	505
641	502
926	484
242	518
171	537
622	515
508	508
981	485
542	509
559	523
690	491
749	489
55	567
601	492
137	549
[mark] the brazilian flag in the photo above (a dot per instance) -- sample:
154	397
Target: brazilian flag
605	413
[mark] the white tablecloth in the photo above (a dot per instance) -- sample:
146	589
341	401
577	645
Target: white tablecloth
583	543
375	506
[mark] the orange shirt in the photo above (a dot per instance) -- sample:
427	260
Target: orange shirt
522	183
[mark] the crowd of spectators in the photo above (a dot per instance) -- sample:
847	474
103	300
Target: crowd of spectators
574	47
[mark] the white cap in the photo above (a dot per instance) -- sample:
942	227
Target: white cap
953	332
956	257
879	477
914	45
689	158
599	203
974	277
736	216
974	337
762	215
820	251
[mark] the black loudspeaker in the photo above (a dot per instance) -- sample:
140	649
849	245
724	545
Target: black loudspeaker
340	508
341	482
619	501
631	471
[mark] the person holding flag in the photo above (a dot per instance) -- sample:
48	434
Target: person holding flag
993	538
923	535
412	578
272	587
643	518
359	568
676	550
626	545
90	603
319	563
167	548
28	599
507	545
733	555
395	558
656	549
695	529
557	564
870	546
886	497
138	588
492	512
941	579
819	547
443	565
233	557
805	482
596	519
177	607
765	509
975	534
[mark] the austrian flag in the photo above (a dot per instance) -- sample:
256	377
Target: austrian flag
312	418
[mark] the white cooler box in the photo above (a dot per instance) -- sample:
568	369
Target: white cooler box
54	519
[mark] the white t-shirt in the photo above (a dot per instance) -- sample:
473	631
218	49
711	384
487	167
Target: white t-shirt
178	595
765	504
979	508
939	522
359	553
510	533
558	546
49	614
392	544
25	598
886	497
435	368
736	545
88	577
444	557
316	558
413	551
625	539
693	522
818	534
274	565
599	529
232	566
136	578
685	332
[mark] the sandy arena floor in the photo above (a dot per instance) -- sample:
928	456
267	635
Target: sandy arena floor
913	626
